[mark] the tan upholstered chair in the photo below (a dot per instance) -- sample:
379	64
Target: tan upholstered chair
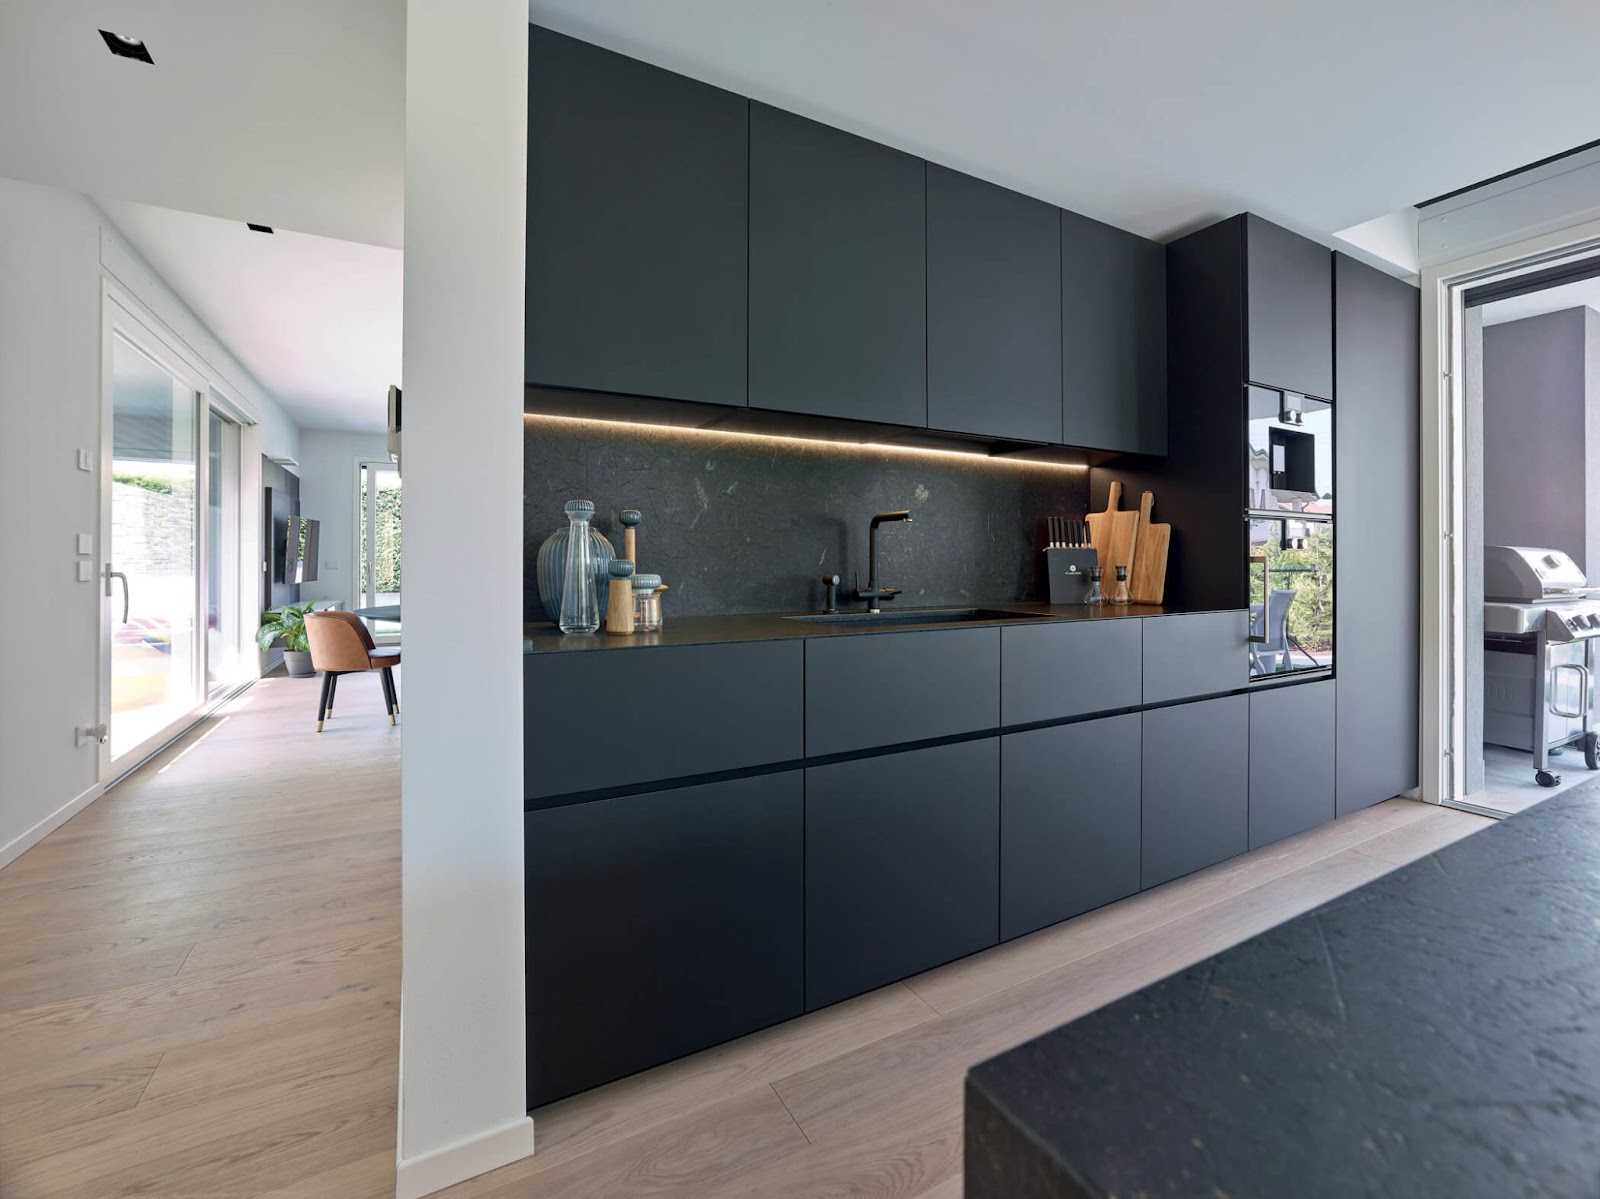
340	645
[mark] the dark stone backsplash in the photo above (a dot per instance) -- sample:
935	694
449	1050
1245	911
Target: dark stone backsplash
735	523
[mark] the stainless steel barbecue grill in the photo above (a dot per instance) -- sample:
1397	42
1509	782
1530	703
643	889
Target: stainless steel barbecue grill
1541	620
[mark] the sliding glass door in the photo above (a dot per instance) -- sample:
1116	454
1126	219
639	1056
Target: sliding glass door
151	579
170	573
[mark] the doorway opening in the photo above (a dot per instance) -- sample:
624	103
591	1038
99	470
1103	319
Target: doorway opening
1511	438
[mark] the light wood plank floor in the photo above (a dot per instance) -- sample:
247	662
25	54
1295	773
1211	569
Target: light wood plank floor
199	990
200	973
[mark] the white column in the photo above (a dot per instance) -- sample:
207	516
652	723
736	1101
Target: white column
462	1045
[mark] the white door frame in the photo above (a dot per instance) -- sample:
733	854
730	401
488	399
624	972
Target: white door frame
1443	650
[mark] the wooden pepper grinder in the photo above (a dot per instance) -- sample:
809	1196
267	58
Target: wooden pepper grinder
619	607
631	519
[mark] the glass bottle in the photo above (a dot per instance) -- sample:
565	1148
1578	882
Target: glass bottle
1096	597
580	597
1119	593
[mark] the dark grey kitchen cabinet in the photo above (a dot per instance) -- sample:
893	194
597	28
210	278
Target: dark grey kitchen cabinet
1291	761
1055	671
602	718
1069	820
994	310
1196	779
1289	309
1376	628
837	273
902	865
637	227
1194	654
659	924
889	688
1114	338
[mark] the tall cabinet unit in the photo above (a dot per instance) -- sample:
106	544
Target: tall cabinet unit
1249	359
637	214
1377	371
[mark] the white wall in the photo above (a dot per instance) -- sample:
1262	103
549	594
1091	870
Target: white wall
462	1043
328	494
55	252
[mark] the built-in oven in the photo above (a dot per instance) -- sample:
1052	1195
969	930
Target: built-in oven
1290	516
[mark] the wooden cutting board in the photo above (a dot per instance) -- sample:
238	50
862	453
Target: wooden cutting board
1149	574
1115	535
1100	527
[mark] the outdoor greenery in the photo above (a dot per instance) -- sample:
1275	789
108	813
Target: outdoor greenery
388	540
1308	571
153	483
286	624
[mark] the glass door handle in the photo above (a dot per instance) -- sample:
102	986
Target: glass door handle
117	574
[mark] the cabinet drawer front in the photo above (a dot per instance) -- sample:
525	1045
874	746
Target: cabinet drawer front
902	865
1052	671
1069	808
879	689
1196	786
614	718
1291	761
1202	653
659	924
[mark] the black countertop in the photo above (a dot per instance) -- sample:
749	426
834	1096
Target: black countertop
1435	1032
776	626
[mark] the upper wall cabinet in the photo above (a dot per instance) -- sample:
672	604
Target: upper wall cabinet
994	310
1114	337
837	273
1289	301
637	222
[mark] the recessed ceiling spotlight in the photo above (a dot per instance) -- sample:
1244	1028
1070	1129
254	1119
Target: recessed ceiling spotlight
124	46
258	228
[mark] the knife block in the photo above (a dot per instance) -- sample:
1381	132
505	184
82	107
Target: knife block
1068	572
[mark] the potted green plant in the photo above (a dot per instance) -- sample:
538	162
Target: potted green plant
288	625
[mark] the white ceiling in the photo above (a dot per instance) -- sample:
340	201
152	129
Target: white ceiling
1157	115
1551	299
317	321
289	113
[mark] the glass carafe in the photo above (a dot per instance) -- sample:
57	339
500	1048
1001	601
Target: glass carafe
1096	597
580	595
1119	593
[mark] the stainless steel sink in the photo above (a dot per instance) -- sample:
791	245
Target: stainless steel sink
916	616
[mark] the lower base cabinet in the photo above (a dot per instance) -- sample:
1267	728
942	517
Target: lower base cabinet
660	924
902	865
1196	786
1291	761
1069	821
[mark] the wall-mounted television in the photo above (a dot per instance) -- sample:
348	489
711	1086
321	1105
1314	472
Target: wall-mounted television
299	561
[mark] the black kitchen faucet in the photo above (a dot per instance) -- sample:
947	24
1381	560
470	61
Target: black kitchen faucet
872	593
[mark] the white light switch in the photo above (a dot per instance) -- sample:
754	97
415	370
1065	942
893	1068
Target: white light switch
85	571
86	543
86	460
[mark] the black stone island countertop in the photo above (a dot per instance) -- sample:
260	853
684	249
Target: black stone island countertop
1433	1033
545	638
